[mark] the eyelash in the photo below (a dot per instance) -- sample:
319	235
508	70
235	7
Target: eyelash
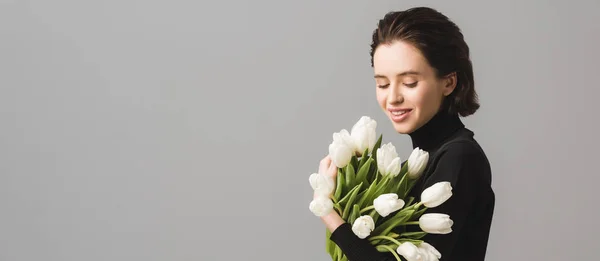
409	85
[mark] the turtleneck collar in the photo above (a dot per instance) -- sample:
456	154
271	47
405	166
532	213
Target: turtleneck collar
436	130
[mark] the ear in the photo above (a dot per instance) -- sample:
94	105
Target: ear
449	83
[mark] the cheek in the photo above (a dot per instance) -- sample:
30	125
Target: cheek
426	99
381	97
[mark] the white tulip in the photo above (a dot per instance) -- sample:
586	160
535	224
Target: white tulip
428	250
417	161
321	206
363	226
321	184
341	149
385	204
388	161
436	194
410	252
436	223
344	137
364	134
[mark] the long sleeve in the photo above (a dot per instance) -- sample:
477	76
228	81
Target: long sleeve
355	248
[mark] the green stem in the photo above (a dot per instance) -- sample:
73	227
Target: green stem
338	209
366	209
392	251
411	223
387	238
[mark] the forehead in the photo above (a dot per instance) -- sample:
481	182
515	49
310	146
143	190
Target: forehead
398	57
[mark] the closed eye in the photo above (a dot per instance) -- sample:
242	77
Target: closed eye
411	85
383	86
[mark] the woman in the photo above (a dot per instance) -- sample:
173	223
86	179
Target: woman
424	82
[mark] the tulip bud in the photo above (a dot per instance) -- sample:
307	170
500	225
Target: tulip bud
341	149
388	161
417	161
429	251
363	226
321	206
364	134
436	223
385	204
409	251
321	184
436	194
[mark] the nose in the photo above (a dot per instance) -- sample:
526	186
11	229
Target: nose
395	94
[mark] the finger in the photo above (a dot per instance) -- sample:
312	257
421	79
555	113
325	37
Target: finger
333	170
324	165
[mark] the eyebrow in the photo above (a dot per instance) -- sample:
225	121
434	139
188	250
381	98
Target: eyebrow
400	74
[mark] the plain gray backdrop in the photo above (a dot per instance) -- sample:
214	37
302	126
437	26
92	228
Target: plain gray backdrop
186	130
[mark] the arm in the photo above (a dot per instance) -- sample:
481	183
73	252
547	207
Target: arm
355	248
352	246
461	164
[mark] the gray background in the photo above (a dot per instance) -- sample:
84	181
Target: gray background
186	130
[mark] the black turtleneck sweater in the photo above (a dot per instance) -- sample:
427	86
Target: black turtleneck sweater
456	157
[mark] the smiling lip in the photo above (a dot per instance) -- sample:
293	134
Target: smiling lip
398	115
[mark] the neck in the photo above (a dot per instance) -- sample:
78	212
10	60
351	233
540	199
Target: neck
436	130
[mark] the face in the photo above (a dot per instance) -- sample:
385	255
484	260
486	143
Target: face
408	90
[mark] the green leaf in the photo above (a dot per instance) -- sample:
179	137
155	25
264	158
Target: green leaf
329	245
339	188
364	157
350	201
373	171
401	187
364	170
400	217
414	235
380	188
350	176
338	253
354	162
409	201
376	147
354	214
347	196
343	258
368	192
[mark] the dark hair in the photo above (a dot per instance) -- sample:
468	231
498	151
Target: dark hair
442	44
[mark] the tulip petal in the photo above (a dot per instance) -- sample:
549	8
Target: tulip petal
321	206
436	223
363	226
436	194
394	167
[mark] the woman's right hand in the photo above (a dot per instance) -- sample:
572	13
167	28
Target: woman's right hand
326	167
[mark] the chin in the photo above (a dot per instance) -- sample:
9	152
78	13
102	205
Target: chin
403	128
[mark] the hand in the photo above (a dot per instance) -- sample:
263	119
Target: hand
328	169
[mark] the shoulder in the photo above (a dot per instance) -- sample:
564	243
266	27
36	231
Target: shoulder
462	147
462	150
462	156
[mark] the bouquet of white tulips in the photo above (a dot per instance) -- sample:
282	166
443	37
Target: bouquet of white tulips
371	193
